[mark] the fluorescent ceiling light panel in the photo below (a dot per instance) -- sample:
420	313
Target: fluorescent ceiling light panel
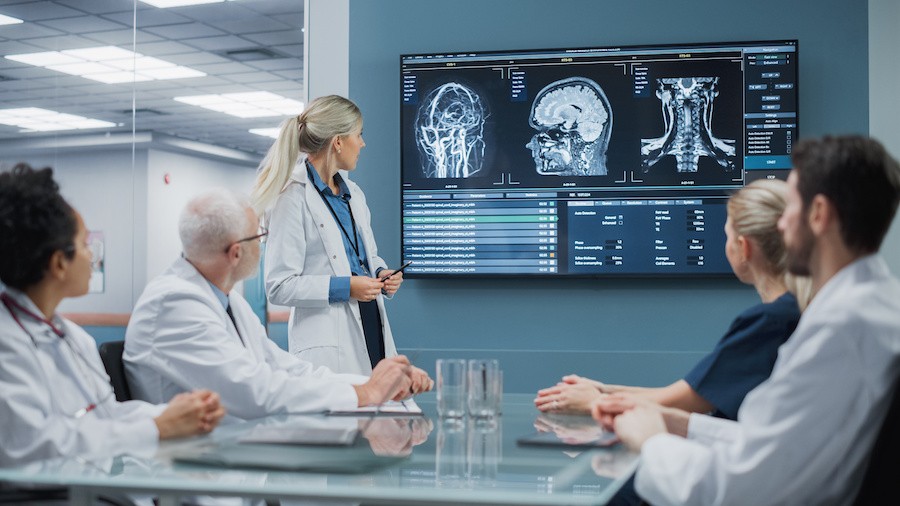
164	73
44	59
120	77
107	64
142	63
81	69
102	53
165	4
266	132
9	20
35	119
256	104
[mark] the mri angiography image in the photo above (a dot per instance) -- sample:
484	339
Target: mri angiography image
449	132
687	111
573	120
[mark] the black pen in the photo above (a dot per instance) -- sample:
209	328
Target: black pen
404	266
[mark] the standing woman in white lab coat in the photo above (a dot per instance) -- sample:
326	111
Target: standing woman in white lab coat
56	398
321	258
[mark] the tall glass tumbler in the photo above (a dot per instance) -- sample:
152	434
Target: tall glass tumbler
484	388
451	387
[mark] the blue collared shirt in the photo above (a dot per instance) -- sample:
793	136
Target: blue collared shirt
222	296
339	286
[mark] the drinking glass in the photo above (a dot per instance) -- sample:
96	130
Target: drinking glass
484	388
451	387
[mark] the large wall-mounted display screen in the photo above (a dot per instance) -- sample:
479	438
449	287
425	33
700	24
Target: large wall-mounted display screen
587	162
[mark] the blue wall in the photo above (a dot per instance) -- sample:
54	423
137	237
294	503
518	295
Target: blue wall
636	331
102	334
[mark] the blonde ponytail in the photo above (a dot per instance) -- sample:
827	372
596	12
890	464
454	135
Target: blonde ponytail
754	211
323	119
275	169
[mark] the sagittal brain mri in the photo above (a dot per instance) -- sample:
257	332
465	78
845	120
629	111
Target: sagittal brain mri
450	132
573	120
687	111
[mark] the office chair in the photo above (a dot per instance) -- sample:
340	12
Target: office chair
111	355
880	485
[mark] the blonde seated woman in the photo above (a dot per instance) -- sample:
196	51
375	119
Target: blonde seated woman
745	355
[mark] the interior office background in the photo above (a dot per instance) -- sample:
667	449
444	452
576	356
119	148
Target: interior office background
639	330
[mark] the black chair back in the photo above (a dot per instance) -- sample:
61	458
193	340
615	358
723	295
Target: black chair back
880	484
111	355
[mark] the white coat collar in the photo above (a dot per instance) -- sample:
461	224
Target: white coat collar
299	173
44	333
867	267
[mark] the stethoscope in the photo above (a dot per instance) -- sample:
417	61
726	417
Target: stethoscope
14	307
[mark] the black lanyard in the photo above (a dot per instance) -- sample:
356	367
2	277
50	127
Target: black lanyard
354	243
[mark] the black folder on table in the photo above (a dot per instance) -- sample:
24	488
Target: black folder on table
552	439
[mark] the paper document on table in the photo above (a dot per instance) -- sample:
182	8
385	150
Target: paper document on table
389	408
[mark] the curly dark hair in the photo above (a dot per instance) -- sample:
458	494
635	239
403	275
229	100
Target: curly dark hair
35	222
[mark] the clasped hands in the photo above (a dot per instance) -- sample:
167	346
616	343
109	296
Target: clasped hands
395	379
633	418
190	414
573	395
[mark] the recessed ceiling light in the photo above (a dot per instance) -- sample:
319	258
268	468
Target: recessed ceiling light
266	132
107	64
44	59
9	20
256	104
165	4
35	119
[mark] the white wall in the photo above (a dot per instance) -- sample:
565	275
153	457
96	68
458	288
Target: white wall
326	48
884	105
101	186
133	207
189	175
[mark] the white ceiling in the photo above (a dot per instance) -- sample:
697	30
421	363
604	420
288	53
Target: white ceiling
198	37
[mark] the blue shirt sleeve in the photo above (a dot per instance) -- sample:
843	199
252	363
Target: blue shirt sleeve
339	289
745	356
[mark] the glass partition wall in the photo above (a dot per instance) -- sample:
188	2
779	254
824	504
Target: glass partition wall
138	105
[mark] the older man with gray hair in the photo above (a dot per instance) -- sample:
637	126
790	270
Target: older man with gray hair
190	329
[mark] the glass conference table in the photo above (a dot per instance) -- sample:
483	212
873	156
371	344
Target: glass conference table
412	460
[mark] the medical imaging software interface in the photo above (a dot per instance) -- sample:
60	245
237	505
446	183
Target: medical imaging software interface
588	162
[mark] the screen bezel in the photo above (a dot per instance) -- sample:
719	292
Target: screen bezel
574	51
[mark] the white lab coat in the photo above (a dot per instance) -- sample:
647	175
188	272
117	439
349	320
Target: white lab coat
44	383
305	249
804	435
180	338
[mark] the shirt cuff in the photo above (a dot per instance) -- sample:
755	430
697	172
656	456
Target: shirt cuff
707	429
339	289
344	399
143	438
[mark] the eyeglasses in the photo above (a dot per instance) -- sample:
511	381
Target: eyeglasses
263	232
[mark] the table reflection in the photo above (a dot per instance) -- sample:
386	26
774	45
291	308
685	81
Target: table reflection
571	429
468	453
395	437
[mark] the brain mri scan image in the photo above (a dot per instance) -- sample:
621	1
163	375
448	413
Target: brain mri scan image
573	120
687	111
449	132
